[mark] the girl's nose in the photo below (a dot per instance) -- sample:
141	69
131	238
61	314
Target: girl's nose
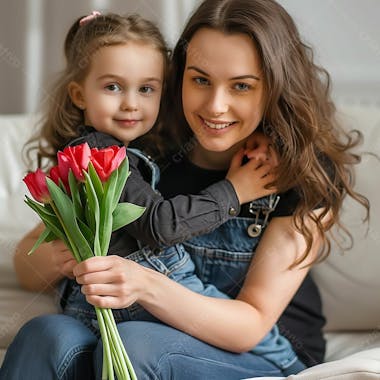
129	102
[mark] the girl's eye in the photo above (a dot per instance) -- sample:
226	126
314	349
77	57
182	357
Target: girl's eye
242	86
113	87
146	89
201	81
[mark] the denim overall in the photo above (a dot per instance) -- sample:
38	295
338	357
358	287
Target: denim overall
214	264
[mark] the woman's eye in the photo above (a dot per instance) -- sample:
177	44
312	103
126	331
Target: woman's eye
146	89
201	81
113	87
242	87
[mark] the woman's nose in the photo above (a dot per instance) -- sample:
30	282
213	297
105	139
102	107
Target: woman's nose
218	102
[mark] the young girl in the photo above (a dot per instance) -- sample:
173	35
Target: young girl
239	66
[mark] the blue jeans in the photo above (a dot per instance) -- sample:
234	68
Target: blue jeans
176	263
60	347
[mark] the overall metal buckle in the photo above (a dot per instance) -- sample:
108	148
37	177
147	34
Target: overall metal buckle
256	228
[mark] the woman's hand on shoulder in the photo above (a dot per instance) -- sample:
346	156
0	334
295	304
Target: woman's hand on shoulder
110	281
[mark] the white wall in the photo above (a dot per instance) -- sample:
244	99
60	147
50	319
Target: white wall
346	37
344	33
32	34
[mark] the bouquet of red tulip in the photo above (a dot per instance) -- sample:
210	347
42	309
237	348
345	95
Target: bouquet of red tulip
78	201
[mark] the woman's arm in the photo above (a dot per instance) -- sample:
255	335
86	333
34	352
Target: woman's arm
46	266
268	288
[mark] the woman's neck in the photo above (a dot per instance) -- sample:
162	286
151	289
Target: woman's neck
212	160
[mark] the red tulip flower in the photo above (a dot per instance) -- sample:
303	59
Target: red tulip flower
75	158
107	160
55	175
36	183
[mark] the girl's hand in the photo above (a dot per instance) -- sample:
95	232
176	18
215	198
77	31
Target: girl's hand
110	281
250	180
63	259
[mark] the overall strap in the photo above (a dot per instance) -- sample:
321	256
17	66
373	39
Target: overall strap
150	164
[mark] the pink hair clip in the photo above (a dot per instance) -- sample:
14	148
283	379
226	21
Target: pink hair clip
88	18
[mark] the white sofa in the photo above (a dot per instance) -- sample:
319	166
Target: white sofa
349	282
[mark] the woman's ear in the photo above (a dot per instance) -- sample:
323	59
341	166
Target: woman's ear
75	91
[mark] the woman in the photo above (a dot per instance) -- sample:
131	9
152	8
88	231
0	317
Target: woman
239	66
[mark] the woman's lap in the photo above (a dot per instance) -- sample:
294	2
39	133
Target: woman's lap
158	351
52	346
60	347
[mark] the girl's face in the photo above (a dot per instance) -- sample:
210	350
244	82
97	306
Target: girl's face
222	94
121	93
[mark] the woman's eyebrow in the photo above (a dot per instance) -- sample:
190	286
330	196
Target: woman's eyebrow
197	69
247	76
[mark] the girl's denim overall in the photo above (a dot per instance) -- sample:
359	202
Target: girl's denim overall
221	260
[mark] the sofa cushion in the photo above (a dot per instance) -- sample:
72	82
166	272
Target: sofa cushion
364	365
349	281
16	305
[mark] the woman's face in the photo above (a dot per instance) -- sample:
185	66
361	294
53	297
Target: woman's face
222	94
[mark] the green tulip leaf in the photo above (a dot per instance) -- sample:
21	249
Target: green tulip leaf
123	174
50	220
105	230
66	214
126	213
87	233
75	196
93	205
51	237
41	239
96	182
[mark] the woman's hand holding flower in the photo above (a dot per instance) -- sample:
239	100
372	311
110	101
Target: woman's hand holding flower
110	281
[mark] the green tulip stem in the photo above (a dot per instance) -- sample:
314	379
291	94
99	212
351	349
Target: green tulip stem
127	360
108	373
114	335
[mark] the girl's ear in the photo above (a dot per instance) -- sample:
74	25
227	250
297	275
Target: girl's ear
75	91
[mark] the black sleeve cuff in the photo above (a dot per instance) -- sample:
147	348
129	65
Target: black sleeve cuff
224	193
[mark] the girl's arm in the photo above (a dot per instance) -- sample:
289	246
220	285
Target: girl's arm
169	221
268	288
46	266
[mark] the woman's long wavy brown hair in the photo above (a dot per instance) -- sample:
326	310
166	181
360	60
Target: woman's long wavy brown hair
299	114
60	117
